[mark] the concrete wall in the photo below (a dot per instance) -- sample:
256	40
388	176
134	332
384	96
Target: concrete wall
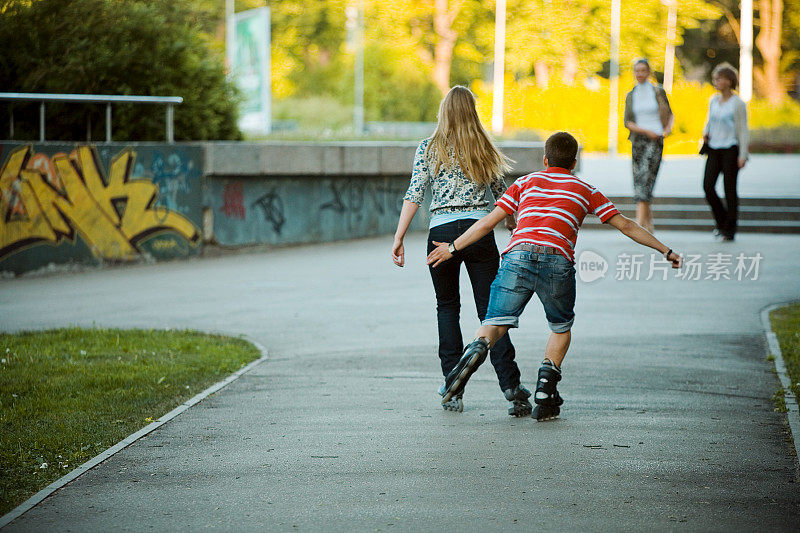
286	210
64	203
384	158
279	193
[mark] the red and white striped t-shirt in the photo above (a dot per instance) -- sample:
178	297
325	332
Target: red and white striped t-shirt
551	205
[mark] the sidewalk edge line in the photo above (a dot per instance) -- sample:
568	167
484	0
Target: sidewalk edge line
37	498
792	408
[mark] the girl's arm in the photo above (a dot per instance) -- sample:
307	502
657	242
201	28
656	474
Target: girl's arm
742	133
406	216
420	177
636	129
707	125
665	109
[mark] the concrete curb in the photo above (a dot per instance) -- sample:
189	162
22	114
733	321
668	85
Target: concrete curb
130	439
792	409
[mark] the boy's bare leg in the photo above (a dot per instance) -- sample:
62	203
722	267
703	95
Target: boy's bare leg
492	333
474	355
557	346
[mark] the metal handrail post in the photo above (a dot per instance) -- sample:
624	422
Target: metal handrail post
41	122
108	123
170	123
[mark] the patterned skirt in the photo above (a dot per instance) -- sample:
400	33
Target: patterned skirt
646	159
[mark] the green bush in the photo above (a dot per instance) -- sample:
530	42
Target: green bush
313	114
398	86
127	47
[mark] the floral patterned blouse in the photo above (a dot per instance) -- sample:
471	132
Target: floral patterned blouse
451	190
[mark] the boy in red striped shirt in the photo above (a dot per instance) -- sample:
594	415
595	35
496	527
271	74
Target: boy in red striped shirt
550	206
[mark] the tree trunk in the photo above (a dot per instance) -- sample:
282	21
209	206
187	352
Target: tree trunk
445	42
570	66
768	42
541	72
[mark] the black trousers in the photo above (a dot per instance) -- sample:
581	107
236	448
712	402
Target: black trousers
726	161
482	261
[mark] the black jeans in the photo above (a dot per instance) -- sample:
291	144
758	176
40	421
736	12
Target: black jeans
725	160
482	260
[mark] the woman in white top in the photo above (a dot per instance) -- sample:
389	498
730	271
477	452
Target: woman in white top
458	162
726	140
649	119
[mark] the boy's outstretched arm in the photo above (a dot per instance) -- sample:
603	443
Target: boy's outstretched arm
637	233
473	234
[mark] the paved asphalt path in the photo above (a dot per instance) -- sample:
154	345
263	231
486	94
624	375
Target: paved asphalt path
667	425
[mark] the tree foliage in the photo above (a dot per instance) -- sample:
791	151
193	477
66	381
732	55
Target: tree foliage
568	37
128	47
176	47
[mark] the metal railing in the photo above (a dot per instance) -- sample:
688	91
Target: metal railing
108	99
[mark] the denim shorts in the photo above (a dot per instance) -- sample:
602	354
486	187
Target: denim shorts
523	273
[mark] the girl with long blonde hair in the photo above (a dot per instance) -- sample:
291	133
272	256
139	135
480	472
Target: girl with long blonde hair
458	162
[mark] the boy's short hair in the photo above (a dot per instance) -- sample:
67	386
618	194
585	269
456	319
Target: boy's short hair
561	149
726	70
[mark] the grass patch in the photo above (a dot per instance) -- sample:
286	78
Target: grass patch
68	394
786	325
779	399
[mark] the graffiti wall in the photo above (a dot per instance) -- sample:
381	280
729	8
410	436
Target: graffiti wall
283	210
84	204
118	203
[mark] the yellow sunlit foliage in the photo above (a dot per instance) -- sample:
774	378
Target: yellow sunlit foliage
282	65
582	109
765	115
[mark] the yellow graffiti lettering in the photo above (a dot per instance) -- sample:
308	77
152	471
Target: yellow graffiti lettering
111	215
29	225
88	217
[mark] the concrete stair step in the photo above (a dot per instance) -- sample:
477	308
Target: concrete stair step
768	215
699	200
746	212
691	224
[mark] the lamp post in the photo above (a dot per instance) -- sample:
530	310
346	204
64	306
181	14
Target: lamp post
499	66
613	111
669	54
746	51
355	38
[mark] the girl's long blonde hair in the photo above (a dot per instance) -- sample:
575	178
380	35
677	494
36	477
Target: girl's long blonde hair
459	133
